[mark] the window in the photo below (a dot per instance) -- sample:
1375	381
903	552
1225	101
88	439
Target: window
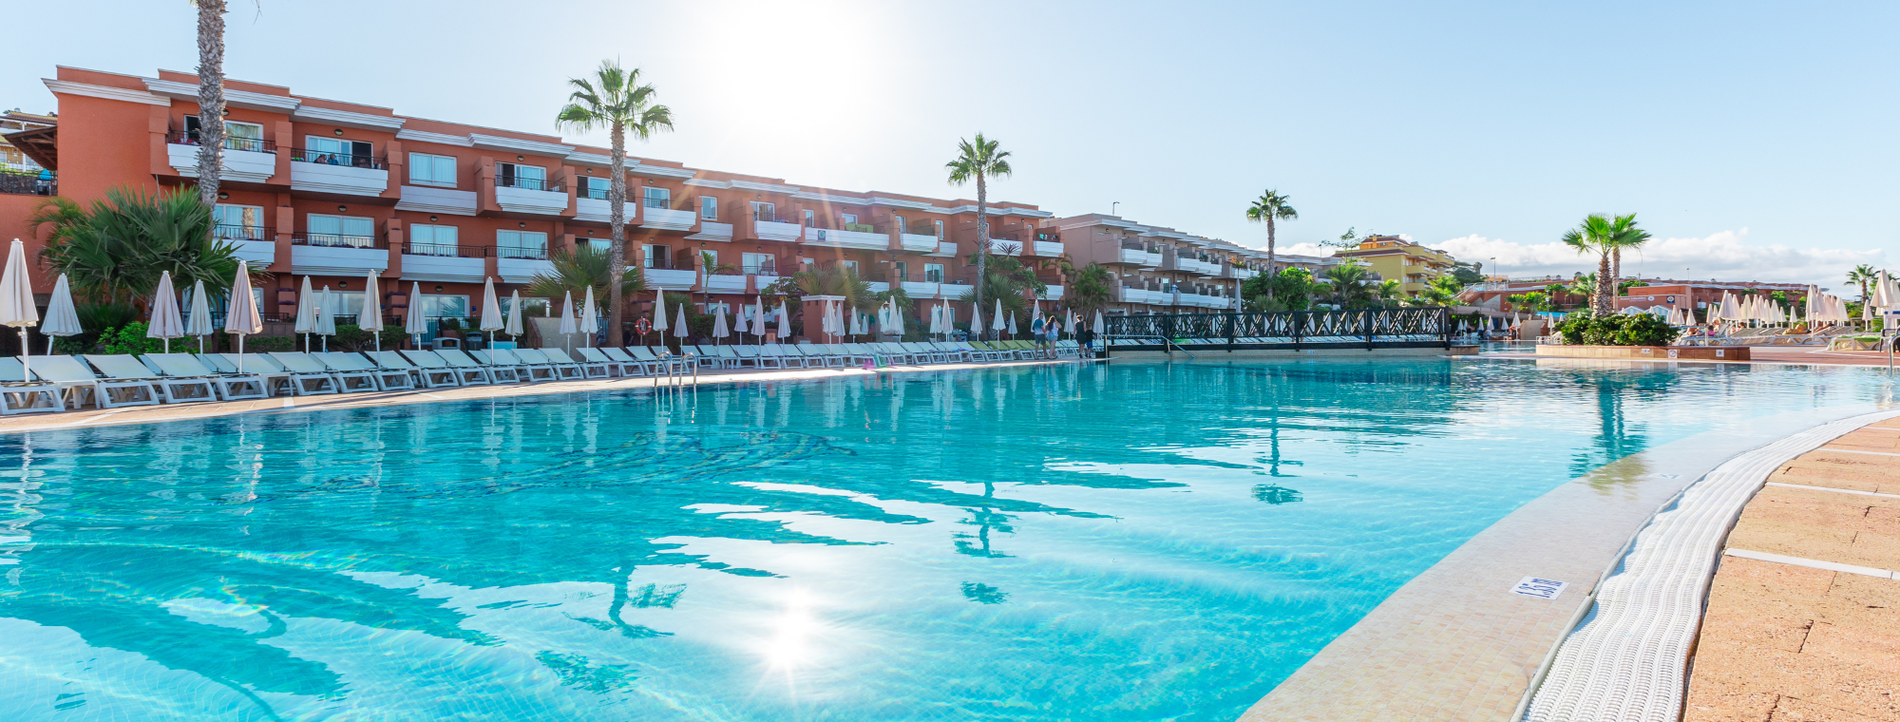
237	135
529	306
851	265
718	306
336	151
810	217
432	170
709	259
238	223
521	244
530	177
709	208
933	273
354	231
435	305
758	264
595	188
900	272
427	240
939	230
656	257
762	211
603	245
848	217
657	197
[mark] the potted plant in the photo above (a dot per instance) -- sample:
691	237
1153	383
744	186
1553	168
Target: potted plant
448	327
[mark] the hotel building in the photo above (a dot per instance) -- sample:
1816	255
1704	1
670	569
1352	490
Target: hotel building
1393	258
1161	270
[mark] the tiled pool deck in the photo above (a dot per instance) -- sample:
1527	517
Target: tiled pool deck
1800	625
1456	643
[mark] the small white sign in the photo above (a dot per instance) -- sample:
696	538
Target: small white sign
1540	588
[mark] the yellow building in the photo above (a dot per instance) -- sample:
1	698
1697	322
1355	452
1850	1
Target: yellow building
1390	257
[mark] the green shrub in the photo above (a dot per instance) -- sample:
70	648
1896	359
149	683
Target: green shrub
1617	330
263	344
130	339
354	338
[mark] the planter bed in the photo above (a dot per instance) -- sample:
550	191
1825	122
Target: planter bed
1679	353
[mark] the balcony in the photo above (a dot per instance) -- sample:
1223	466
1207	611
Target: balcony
28	184
712	231
530	195
954	289
444	262
1195	265
945	249
769	228
1005	247
589	208
520	264
1054	293
340	173
429	199
254	244
921	289
1239	273
1047	249
337	254
878	286
248	160
655	215
856	235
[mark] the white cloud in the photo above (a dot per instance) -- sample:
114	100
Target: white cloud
1719	256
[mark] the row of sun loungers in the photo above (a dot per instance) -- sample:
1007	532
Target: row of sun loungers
114	381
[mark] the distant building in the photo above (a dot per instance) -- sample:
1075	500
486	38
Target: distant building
1669	293
1393	258
1162	270
12	158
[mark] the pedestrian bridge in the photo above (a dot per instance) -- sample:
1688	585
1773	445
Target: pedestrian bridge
1369	329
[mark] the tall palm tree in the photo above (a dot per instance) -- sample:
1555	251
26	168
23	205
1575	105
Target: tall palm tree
1091	290
1349	287
1623	234
115	252
614	99
1861	276
210	99
979	159
1593	235
1269	207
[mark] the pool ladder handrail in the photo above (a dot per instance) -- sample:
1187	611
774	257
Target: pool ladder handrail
1167	342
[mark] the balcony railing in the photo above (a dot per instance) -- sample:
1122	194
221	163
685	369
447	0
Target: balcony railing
1048	237
762	269
531	184
1013	236
446	250
651	202
372	162
599	194
669	263
234	232
255	145
29	184
767	216
338	240
1139	246
538	254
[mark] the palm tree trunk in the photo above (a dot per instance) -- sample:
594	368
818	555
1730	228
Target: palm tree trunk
1616	268
982	240
210	99
1270	273
617	221
1604	284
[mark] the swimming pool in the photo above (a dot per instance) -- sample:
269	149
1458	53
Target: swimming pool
1131	542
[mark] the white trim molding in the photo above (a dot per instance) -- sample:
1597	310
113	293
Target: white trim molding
423	136
496	142
346	118
234	98
107	92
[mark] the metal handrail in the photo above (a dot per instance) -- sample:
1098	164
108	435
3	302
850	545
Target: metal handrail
192	137
325	157
532	184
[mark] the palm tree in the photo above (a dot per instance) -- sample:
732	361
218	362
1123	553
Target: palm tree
582	267
1861	276
614	99
708	266
1091	290
836	281
210	99
1623	234
115	252
1269	207
980	160
1593	236
1349	285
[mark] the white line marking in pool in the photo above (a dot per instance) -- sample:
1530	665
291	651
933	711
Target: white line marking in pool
1829	488
1540	588
1810	563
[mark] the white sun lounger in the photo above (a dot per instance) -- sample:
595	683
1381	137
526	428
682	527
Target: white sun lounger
590	369
668	359
539	357
79	384
630	363
305	364
26	397
172	390
430	362
757	357
614	368
535	370
276	380
300	383
924	353
788	358
474	368
230	386
821	356
341	362
428	378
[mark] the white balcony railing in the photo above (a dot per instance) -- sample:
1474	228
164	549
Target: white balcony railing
667	219
917	243
1048	249
671	279
451	269
530	200
847	239
776	231
249	166
340	179
519	270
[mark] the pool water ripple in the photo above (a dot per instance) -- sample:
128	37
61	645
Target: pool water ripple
1132	542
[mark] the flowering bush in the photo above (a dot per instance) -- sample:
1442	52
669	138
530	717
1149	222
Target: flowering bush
1641	329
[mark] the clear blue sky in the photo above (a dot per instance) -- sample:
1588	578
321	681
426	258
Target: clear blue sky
1755	136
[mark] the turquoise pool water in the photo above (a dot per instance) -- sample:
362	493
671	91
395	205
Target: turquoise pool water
1135	542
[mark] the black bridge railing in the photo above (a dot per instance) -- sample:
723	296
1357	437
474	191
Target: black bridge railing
1364	328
